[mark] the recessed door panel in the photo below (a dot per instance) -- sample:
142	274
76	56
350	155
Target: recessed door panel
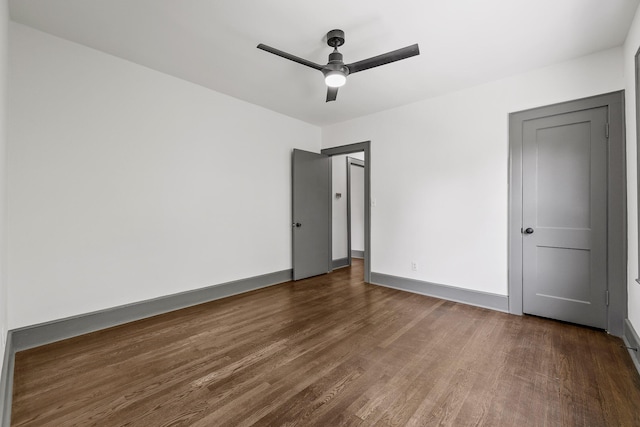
564	166
563	273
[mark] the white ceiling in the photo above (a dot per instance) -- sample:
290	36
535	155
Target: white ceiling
213	43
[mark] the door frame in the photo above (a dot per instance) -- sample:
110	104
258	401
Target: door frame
351	161
616	202
348	149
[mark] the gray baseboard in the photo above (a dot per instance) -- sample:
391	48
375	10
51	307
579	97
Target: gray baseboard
6	382
45	333
339	263
630	338
452	293
357	254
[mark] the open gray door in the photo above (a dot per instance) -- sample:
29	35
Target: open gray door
311	214
564	188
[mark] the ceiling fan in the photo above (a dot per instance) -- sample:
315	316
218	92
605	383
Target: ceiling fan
336	71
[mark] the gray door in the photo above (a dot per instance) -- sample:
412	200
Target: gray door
311	214
565	217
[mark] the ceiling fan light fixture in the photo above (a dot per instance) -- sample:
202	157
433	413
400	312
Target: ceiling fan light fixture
336	71
335	79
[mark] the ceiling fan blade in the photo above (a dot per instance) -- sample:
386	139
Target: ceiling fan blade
385	58
289	56
332	93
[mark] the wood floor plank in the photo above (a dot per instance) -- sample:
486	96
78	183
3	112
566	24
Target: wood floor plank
330	351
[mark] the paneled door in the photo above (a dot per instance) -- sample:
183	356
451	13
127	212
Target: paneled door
311	214
564	191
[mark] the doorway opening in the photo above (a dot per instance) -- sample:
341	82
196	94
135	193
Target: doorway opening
355	208
359	153
347	206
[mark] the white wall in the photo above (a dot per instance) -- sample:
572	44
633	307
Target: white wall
630	47
4	28
440	171
339	208
127	184
357	208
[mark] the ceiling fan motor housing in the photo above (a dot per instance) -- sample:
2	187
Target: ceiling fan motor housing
335	38
336	63
335	57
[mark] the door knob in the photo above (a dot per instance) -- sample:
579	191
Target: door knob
529	230
297	225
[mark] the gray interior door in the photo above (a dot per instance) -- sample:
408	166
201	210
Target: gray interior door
565	217
311	214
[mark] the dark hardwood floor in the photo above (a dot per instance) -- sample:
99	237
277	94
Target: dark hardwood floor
330	351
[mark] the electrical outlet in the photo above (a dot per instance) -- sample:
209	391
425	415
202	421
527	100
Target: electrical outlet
414	266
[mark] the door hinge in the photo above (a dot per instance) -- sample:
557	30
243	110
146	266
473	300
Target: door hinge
607	297
606	130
